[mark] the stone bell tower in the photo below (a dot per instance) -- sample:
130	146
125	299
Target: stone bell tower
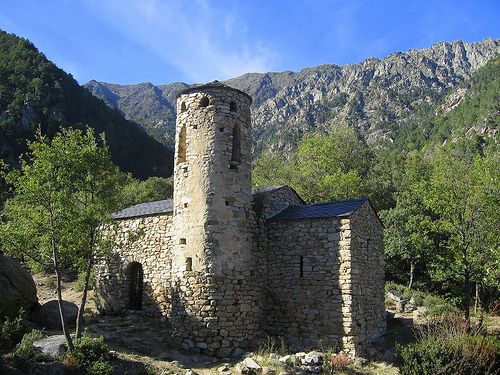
214	298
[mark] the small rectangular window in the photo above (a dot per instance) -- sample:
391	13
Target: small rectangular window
189	264
185	205
182	241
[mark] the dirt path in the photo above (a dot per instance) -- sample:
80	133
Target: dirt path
46	290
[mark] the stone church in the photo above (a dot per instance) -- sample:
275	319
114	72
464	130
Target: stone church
227	265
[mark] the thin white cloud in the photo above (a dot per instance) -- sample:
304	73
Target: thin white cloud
199	39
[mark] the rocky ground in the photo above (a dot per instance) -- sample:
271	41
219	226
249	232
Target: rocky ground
144	345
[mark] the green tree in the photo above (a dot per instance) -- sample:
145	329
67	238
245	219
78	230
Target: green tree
271	169
408	238
325	166
64	192
464	197
152	189
331	166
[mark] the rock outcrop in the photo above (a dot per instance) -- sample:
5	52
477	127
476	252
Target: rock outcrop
373	96
17	288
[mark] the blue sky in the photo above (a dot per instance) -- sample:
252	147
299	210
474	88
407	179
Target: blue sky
163	41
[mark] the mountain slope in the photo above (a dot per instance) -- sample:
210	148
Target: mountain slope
35	94
472	108
375	96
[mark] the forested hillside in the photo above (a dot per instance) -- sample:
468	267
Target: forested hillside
436	187
37	95
376	97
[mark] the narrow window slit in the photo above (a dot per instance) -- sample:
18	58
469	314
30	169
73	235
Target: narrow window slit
181	148
189	264
204	102
232	107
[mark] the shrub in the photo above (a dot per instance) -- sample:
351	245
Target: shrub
100	368
407	293
11	332
458	354
25	354
90	355
80	282
25	350
336	363
437	306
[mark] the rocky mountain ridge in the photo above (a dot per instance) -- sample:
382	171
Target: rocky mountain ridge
374	96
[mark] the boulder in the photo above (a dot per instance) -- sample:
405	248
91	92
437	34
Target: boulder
313	359
410	307
51	347
48	316
288	359
394	295
17	287
249	367
420	312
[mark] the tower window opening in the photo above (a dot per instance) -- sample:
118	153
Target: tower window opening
204	102
236	152
185	205
182	241
183	107
232	107
221	130
189	264
181	150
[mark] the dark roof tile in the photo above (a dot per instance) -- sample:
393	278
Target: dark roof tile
145	209
320	210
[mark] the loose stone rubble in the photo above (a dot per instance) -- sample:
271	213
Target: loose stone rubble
228	266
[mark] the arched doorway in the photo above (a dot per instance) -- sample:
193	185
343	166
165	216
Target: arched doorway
136	276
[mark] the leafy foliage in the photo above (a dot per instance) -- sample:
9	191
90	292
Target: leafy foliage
64	194
89	350
325	166
91	356
150	190
11	332
25	350
458	354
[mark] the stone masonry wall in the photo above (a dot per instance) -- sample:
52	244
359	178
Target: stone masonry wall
215	267
367	274
269	202
148	241
304	293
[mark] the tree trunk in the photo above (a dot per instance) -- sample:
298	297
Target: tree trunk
64	326
476	299
81	309
412	271
466	298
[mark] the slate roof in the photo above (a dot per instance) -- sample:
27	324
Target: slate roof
146	209
320	210
166	206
